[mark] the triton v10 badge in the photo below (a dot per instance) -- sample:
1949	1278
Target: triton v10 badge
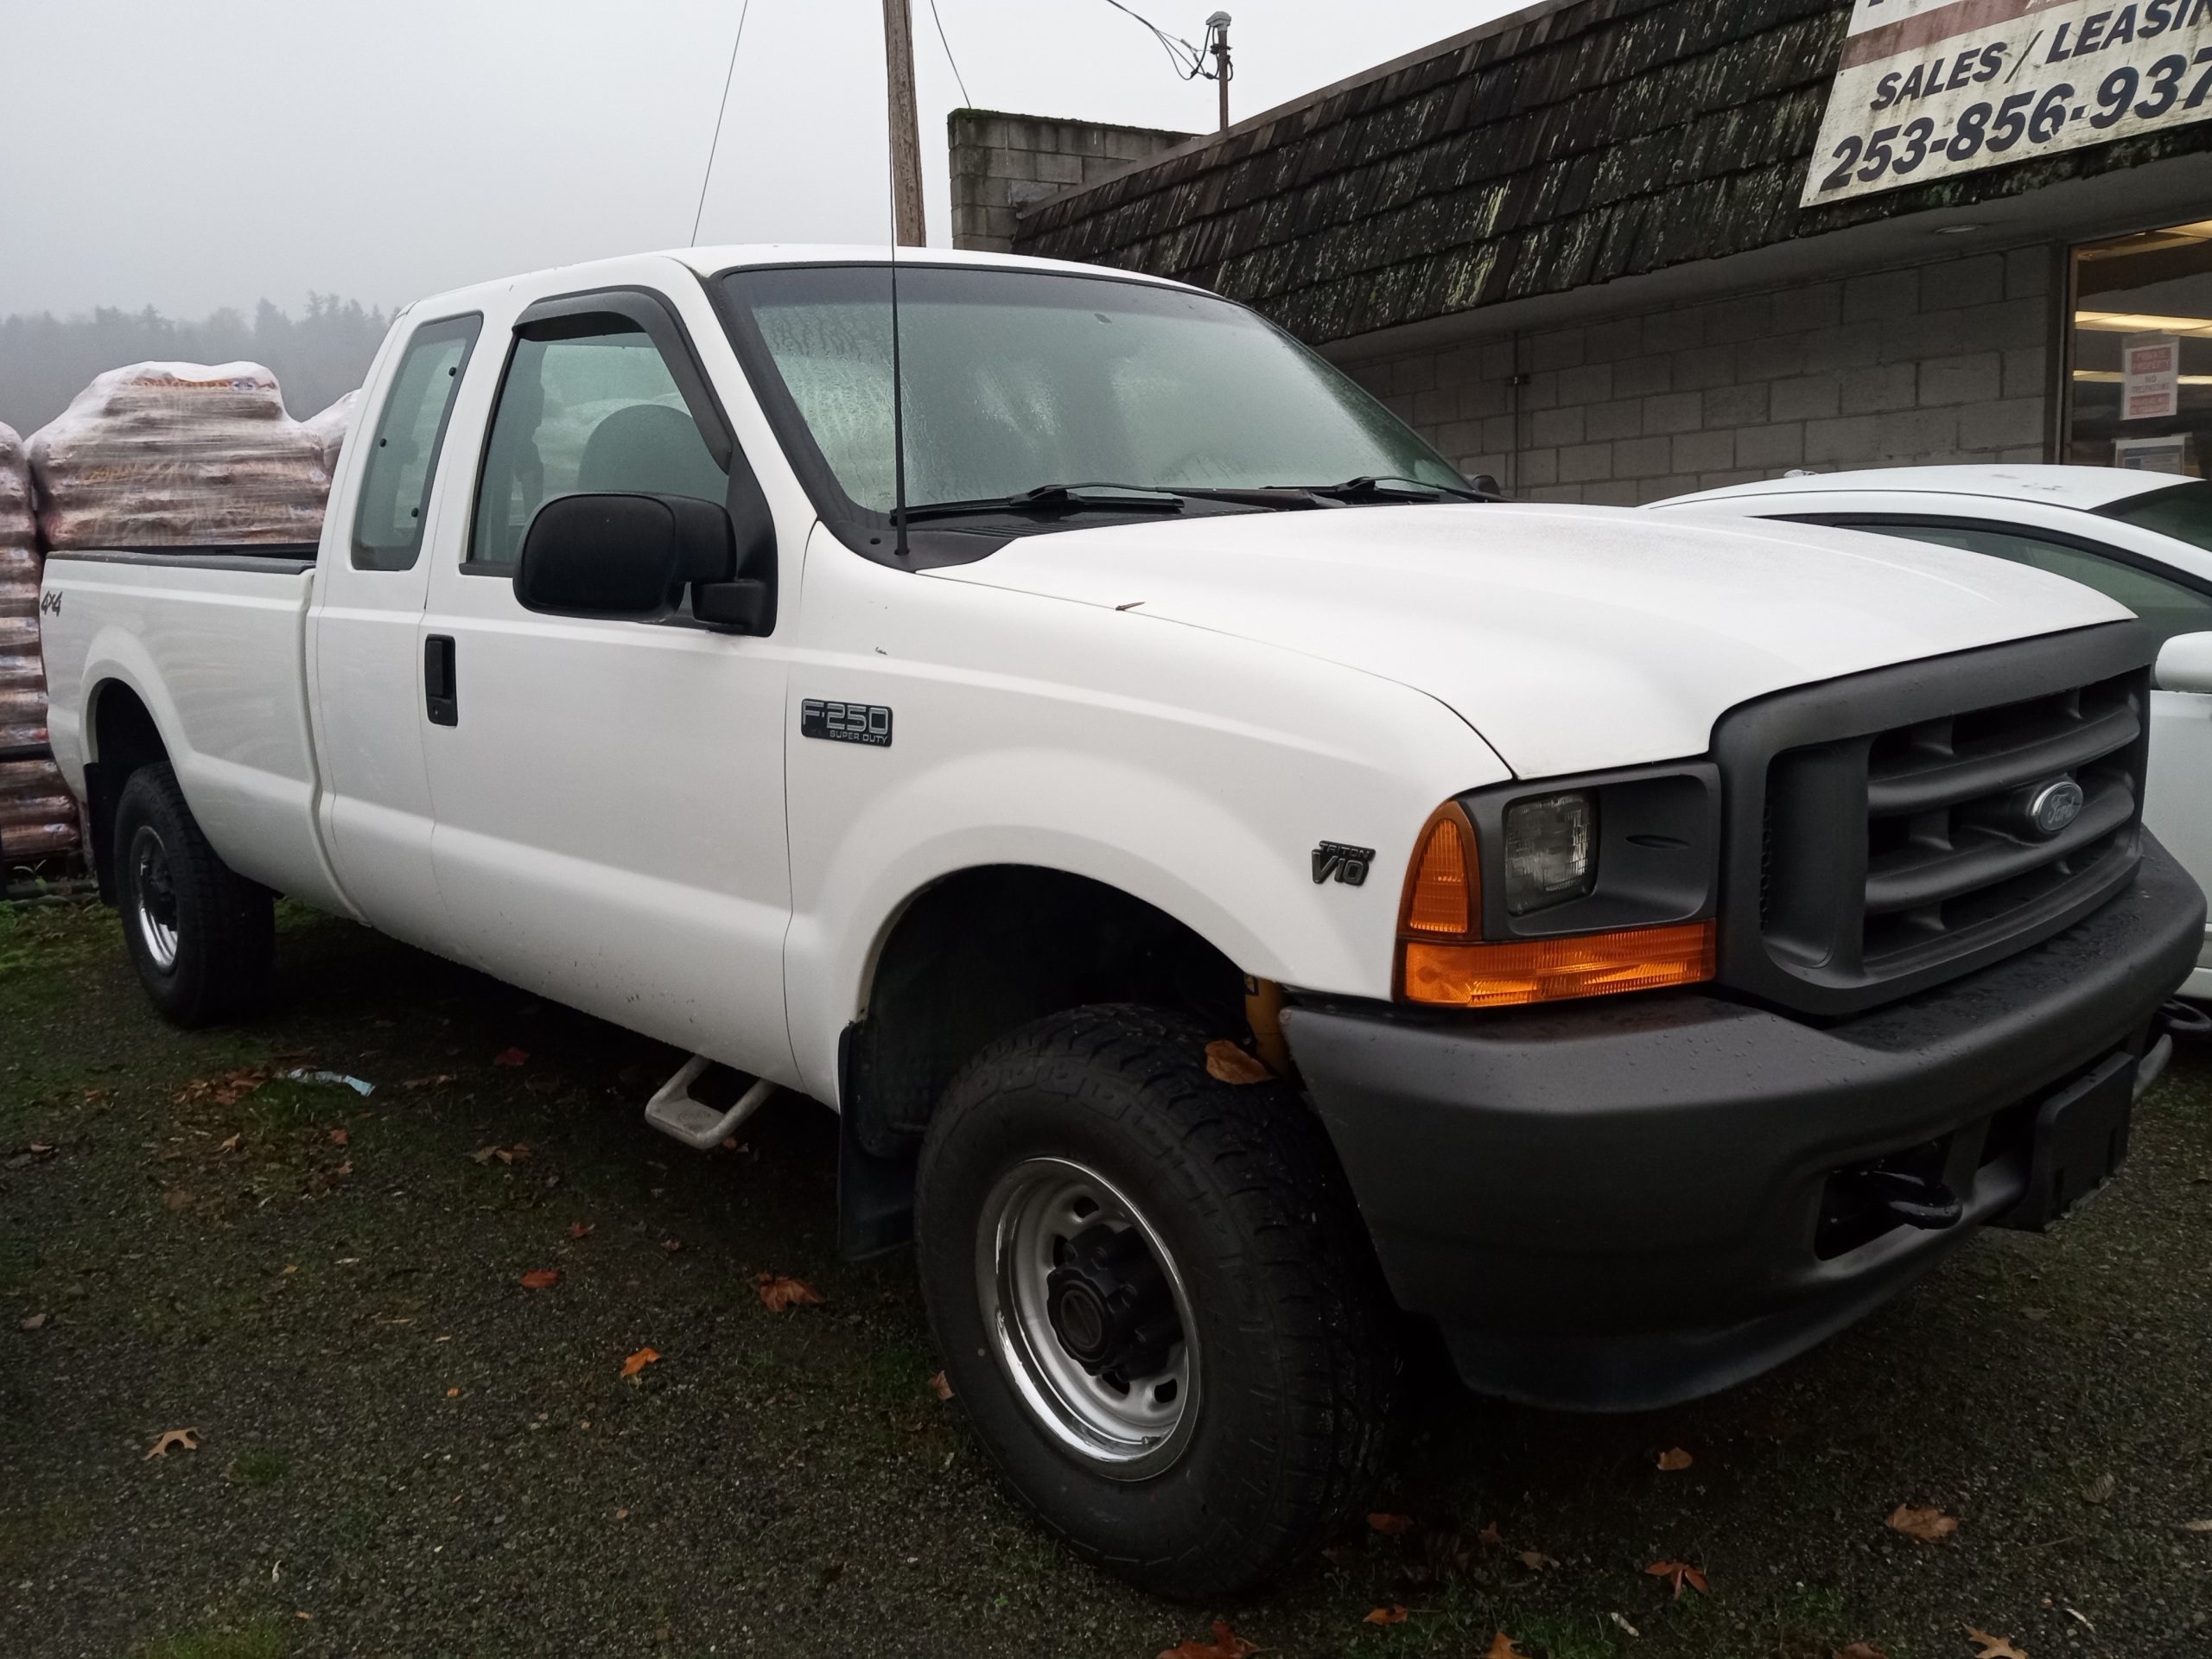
1348	864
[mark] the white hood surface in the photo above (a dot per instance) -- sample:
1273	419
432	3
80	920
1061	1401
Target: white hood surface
1572	638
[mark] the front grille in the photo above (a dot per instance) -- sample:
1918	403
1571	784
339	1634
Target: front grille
1880	825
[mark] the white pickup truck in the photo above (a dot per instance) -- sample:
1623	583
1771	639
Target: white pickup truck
1198	844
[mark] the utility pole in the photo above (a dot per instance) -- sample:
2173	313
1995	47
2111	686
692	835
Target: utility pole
1217	43
906	126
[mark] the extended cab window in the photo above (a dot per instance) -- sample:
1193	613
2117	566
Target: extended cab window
595	412
2167	605
403	455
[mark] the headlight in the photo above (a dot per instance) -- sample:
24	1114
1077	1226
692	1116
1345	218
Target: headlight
1551	851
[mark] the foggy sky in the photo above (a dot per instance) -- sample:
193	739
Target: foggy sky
192	154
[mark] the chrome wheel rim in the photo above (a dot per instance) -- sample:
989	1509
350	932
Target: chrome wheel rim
1088	1318
153	898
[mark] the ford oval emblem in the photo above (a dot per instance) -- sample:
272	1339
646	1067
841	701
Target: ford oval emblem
2055	805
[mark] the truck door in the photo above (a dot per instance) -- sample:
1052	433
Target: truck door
362	635
609	793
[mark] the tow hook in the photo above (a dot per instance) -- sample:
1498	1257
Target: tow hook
2175	1018
1912	1200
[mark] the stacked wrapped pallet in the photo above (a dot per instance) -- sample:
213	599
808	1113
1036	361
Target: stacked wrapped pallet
37	817
174	455
329	429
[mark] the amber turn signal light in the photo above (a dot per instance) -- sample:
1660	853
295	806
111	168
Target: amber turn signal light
1550	970
1440	888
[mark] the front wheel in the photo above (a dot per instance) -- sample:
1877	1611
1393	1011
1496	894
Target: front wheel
201	935
1154	1299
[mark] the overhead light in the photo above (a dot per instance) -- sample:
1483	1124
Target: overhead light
1957	230
2113	376
2142	322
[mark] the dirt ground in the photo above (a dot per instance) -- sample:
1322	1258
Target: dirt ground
401	1449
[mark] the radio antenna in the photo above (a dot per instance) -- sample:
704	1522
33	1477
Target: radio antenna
898	418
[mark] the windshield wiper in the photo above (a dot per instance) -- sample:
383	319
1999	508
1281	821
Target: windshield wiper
1391	487
1057	497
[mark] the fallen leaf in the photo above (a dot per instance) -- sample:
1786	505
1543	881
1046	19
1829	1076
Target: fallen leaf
672	1245
1391	1525
1394	1614
232	1145
2196	1526
512	1057
1490	1534
2101	1488
32	1322
1501	1646
453	1393
1927	1525
780	1294
338	1137
1226	1062
1681	1573
638	1361
1226	1644
513	1155
346	1168
581	1228
39	1149
1994	1647
187	1438
1861	1651
227	1089
1535	1561
438	1080
1677	1459
541	1278
483	1154
940	1386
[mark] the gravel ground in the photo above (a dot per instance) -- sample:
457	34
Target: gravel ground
404	1450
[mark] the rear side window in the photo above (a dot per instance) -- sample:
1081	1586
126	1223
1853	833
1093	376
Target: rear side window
2167	605
404	453
2183	512
588	412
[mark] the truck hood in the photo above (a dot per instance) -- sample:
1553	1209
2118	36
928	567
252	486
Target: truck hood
1572	638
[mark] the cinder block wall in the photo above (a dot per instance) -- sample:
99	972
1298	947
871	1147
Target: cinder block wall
1942	362
1001	163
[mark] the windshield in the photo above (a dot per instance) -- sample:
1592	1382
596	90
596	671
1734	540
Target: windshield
2183	512
1012	380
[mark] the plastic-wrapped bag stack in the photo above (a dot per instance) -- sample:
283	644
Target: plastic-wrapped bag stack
37	817
162	454
330	427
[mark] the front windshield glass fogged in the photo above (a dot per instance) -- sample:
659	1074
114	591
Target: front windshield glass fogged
1015	380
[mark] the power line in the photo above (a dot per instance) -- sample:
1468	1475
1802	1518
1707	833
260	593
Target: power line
721	110
949	57
1190	68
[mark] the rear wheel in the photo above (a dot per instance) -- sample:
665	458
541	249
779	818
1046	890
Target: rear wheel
1153	1300
201	935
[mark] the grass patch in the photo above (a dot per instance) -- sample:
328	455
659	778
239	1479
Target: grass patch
261	1638
260	1468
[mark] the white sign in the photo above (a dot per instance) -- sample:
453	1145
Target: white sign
2150	376
2152	455
1930	88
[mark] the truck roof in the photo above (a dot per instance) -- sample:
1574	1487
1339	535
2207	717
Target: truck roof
707	261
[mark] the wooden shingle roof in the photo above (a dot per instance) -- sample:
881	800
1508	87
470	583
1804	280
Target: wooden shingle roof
1570	144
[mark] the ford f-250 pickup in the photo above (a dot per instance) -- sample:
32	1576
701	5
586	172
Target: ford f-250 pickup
1238	884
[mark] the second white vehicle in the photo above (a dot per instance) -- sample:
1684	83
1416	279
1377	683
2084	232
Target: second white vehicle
1198	845
2142	538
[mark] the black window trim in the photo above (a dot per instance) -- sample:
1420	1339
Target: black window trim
421	327
1922	519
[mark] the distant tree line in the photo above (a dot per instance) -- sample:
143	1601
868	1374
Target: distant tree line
46	360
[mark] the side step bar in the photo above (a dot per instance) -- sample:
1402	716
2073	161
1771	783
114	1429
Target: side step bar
675	1111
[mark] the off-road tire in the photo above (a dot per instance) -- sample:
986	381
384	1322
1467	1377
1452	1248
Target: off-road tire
1298	1337
225	925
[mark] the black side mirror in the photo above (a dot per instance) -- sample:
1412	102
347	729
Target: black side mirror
623	555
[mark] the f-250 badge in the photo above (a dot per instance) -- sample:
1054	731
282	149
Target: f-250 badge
846	722
1348	864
